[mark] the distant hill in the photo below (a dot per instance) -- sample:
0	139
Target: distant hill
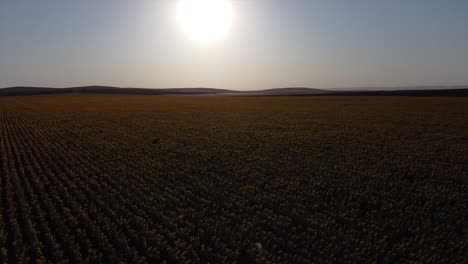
400	88
29	91
111	90
145	91
293	91
289	91
440	92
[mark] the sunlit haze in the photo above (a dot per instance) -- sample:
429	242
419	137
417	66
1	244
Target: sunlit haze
205	20
233	44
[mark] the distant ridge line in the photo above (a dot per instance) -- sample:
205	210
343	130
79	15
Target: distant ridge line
287	91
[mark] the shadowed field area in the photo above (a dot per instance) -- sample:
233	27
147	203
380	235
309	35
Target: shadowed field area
233	179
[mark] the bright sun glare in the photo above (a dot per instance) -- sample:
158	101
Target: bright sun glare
205	20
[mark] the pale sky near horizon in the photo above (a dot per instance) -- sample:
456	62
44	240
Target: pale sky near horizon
271	43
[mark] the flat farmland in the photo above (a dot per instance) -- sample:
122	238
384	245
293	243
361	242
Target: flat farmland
180	179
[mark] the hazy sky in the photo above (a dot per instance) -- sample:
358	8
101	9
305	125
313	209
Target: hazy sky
272	43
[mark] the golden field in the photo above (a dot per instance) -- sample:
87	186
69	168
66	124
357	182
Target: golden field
180	179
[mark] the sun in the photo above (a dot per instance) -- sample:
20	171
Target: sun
205	20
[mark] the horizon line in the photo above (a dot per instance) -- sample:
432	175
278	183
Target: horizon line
351	88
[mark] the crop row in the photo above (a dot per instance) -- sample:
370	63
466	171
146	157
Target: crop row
152	185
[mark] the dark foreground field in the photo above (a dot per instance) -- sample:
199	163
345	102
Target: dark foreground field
102	178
